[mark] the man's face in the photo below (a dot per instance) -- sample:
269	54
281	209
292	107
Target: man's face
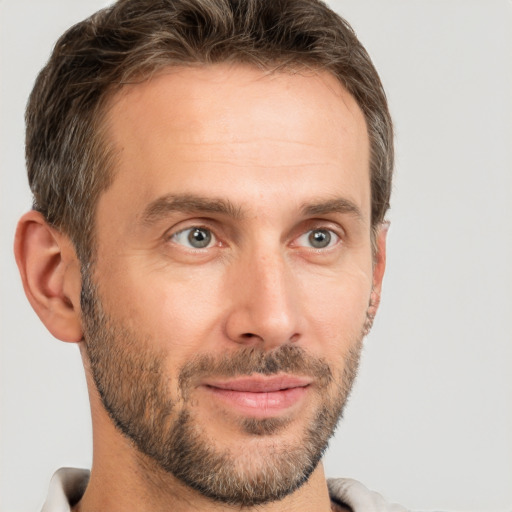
233	273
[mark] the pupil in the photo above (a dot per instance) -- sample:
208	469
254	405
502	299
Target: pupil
199	238
320	238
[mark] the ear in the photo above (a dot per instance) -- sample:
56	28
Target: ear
379	266
50	272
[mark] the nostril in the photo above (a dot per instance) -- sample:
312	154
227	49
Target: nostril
249	335
294	338
249	339
246	336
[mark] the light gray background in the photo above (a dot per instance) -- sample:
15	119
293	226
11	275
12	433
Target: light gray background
430	420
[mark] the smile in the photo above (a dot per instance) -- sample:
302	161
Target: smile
260	396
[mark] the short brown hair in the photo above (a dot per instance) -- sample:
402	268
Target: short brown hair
68	160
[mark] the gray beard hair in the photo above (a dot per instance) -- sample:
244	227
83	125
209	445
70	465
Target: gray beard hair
133	388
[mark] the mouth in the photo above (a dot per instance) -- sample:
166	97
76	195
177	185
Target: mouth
259	396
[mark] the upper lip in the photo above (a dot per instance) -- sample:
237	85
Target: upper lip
260	383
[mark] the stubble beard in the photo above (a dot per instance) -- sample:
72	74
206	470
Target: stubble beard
134	390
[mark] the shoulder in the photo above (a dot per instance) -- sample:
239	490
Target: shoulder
66	488
353	494
68	485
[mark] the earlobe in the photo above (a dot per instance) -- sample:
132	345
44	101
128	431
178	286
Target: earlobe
50	272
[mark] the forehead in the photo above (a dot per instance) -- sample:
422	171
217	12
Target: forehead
213	129
206	98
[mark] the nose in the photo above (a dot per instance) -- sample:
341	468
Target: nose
264	306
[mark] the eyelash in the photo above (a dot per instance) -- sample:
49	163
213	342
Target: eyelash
333	238
175	236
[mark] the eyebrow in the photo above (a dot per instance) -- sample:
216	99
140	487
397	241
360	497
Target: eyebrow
187	203
337	205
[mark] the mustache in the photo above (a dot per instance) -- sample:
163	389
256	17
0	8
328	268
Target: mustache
288	359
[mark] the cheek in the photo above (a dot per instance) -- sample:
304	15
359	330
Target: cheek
337	308
175	311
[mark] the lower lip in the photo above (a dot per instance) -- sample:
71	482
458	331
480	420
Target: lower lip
260	404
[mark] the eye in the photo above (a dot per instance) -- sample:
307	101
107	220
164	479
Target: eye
194	238
318	238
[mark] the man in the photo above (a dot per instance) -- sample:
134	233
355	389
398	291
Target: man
210	185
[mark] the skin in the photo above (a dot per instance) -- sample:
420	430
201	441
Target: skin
290	153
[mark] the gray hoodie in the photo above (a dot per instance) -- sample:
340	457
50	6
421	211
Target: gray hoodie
68	485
